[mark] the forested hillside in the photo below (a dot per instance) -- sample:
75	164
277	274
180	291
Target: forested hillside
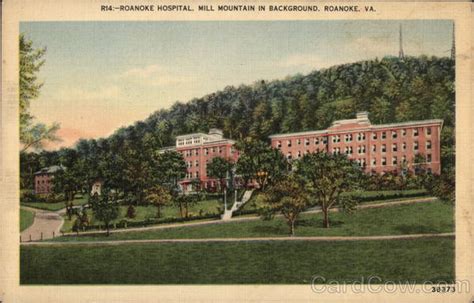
391	90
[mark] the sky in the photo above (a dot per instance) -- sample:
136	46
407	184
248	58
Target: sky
100	76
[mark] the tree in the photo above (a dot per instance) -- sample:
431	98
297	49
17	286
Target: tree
31	60
220	169
260	162
328	176
171	168
288	197
184	201
105	208
159	196
442	186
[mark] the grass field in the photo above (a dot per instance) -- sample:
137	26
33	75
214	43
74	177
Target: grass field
287	262
56	205
431	217
26	219
145	212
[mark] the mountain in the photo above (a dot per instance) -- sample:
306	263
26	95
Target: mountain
390	89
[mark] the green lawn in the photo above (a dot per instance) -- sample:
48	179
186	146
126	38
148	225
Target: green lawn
430	217
146	212
26	219
286	262
56	205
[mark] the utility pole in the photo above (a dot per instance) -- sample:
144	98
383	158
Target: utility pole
453	47
401	55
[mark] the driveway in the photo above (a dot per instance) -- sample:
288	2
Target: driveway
45	225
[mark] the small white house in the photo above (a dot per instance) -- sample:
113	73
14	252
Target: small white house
96	188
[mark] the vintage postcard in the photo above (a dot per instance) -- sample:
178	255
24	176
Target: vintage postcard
236	151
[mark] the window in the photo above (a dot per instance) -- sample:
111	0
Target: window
298	155
196	163
288	156
428	144
336	139
384	148
220	150
213	149
360	136
348	150
404	132
361	149
348	137
384	135
428	131
394	147
288	143
206	151
404	146
196	152
394	160
325	140
394	134
298	141
316	141
415	132
415	145
196	174
306	141
374	136
428	158
374	162
374	148
404	159
384	161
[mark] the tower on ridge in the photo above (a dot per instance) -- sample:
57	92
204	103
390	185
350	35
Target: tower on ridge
453	47
401	55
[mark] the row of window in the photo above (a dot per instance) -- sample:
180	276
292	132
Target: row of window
316	140
190	140
350	137
195	152
42	181
383	148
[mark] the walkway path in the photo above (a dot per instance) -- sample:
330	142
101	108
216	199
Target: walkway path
256	239
249	218
46	225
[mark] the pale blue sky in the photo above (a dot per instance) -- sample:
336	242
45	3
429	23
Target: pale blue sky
99	76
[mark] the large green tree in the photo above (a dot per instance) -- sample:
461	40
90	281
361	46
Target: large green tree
288	197
221	169
105	208
328	176
159	196
260	162
32	134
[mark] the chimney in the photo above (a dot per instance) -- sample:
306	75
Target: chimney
362	117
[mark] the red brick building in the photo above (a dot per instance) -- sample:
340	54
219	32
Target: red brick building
376	148
44	179
198	150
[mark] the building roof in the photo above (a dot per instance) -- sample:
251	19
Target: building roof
360	123
50	169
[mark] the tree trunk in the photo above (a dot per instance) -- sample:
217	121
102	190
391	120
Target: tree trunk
108	229
158	212
292	228
326	218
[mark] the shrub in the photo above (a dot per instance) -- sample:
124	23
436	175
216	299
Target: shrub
131	212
